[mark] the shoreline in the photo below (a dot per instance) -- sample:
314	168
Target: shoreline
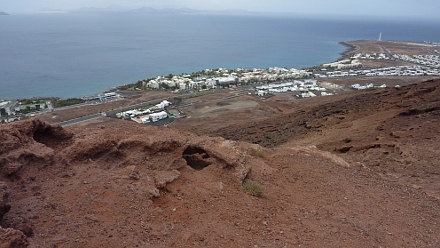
349	51
349	48
134	53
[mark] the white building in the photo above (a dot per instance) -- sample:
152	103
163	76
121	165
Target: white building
146	119
158	116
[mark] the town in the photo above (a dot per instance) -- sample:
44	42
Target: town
423	65
303	83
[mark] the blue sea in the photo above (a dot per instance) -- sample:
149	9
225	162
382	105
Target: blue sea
74	55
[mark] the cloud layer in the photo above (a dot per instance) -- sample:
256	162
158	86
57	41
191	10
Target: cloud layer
390	8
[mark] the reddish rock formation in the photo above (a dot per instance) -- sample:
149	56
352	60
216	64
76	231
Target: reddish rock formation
12	238
358	171
9	237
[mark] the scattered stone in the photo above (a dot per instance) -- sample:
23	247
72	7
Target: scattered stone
64	175
12	238
162	178
4	194
27	230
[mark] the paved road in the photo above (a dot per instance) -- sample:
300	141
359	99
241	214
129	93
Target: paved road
385	51
78	120
140	105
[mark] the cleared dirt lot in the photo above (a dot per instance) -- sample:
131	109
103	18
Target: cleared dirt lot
131	97
393	47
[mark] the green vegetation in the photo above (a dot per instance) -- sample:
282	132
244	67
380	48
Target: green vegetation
67	102
34	100
177	100
258	153
138	84
126	86
253	188
25	101
167	87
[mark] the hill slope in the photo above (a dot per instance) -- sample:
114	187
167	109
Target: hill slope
393	131
357	171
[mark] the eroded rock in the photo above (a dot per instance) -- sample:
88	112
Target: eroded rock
12	238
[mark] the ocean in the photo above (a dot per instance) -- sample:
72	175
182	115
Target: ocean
75	55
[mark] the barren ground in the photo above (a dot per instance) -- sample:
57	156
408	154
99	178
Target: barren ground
357	169
132	97
393	47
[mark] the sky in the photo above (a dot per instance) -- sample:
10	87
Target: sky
387	8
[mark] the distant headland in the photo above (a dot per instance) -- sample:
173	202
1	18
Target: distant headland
3	13
144	10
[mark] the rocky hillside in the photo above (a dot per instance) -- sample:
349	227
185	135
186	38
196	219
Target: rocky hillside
393	131
358	171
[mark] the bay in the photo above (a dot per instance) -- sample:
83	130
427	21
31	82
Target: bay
74	55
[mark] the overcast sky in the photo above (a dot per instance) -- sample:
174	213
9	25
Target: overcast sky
391	8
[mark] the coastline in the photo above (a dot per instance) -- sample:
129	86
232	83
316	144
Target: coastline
102	65
222	78
349	50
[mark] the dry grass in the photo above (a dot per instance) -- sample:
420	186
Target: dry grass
253	188
258	153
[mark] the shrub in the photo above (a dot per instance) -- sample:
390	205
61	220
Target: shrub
68	102
253	188
258	153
